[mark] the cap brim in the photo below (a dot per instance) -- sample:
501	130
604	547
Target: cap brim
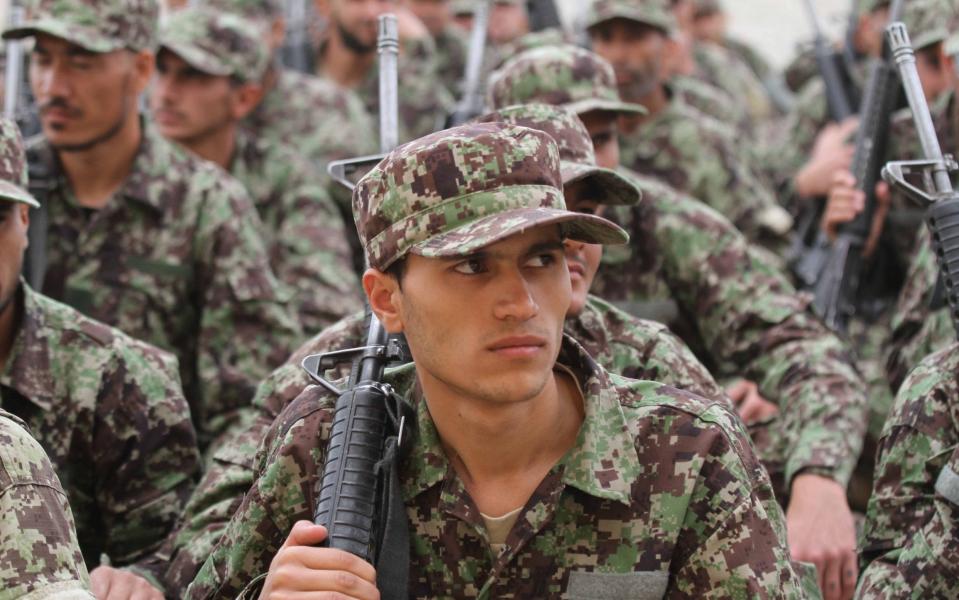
198	59
85	37
15	193
481	233
618	189
591	104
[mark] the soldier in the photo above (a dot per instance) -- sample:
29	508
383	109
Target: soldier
710	25
690	268
141	235
107	409
209	67
517	497
347	56
909	540
622	344
685	149
39	555
451	46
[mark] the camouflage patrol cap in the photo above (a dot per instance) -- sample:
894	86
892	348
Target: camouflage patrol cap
565	75
456	191
13	165
576	154
705	8
257	10
928	21
95	25
656	13
216	43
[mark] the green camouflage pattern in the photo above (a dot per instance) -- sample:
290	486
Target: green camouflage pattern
452	51
96	25
701	157
656	13
928	21
743	318
721	68
216	43
304	233
576	154
262	11
109	413
909	538
13	165
39	555
459	190
660	488
175	259
564	75
622	344
713	102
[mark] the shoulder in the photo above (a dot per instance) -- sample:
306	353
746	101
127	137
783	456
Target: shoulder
930	392
22	459
316	92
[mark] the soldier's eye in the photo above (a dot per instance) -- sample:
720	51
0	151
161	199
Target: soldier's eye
470	266
542	260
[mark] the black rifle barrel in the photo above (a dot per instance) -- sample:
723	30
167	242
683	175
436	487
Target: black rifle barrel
840	108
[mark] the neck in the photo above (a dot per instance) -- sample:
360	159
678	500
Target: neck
502	452
342	65
655	102
97	172
217	146
9	322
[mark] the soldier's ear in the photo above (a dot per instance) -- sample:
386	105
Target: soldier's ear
383	292
144	62
247	98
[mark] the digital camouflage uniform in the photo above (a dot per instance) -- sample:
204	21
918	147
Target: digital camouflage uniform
721	68
689	268
304	233
704	525
174	258
691	151
39	555
622	344
911	536
107	410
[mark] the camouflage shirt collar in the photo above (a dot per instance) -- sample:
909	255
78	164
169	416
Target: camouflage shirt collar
603	462
28	368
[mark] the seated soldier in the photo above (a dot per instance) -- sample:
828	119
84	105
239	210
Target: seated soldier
531	471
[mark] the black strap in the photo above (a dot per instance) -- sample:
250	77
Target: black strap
393	549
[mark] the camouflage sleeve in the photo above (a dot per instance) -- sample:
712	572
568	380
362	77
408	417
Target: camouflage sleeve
245	329
39	554
909	537
145	455
310	250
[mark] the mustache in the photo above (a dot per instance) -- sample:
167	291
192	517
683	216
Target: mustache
61	104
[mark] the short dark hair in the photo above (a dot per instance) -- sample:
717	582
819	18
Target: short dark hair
5	207
397	270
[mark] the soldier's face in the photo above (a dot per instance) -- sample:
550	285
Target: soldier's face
85	98
190	106
871	31
507	22
14	220
935	71
484	327
581	258
637	53
435	14
357	21
604	131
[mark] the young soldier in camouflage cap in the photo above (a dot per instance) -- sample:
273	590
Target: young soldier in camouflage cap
108	410
141	235
622	344
210	65
690	268
503	503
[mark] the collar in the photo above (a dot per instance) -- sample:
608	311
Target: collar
602	462
28	370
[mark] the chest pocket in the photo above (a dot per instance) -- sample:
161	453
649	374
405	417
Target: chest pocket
642	585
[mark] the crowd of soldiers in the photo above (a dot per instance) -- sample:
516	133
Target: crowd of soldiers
665	417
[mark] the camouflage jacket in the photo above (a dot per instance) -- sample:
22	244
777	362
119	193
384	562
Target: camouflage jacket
424	102
39	555
743	318
304	233
174	259
451	54
619	342
712	102
910	541
698	155
588	526
109	413
721	68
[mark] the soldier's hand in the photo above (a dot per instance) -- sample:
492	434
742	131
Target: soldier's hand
821	530
843	204
108	583
300	567
832	152
883	200
750	404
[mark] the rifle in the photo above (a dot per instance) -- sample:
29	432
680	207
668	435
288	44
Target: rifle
942	216
837	290
840	107
471	104
297	51
360	481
